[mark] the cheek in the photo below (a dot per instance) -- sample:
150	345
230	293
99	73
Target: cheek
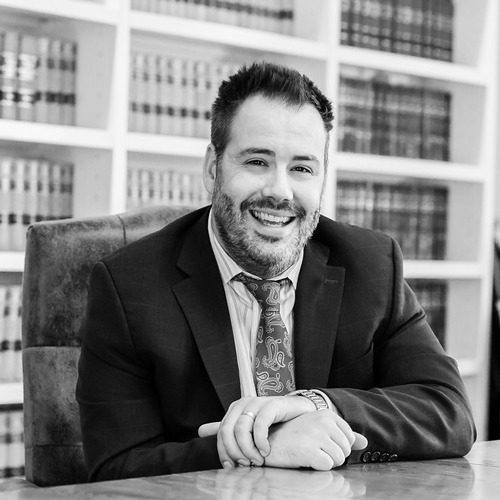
309	197
240	187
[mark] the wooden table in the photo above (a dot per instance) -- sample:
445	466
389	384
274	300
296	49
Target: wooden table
477	476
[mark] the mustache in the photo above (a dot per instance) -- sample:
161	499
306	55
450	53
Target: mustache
269	203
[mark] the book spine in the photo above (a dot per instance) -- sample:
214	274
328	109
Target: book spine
4	444
132	188
370	24
356	21
417	28
8	82
426	212
67	190
189	98
55	81
43	205
17	205
5	202
68	85
151	95
201	105
11	429
43	93
4	342
386	25
440	220
26	71
11	343
403	18
30	191
345	22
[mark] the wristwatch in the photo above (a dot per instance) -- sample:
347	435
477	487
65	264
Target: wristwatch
319	402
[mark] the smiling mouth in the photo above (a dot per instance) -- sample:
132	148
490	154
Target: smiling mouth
272	220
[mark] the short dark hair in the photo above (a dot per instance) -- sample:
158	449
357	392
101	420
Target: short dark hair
269	80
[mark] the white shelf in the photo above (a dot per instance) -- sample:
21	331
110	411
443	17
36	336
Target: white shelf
445	270
60	135
410	65
167	145
11	393
69	9
11	262
353	163
233	36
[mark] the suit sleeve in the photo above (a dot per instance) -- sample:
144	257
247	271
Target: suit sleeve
122	428
418	408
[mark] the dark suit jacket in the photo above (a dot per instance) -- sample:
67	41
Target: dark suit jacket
158	356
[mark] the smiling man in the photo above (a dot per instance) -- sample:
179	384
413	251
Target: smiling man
255	331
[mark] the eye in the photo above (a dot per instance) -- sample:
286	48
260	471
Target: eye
302	169
256	162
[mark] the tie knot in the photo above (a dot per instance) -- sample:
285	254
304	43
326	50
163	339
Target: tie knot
267	292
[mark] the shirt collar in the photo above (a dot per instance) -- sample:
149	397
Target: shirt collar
229	268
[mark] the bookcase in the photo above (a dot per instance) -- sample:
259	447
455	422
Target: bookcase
106	156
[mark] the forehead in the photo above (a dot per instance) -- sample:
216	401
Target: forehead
275	125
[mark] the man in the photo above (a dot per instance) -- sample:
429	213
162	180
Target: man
198	337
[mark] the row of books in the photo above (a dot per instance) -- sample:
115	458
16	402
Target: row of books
422	28
148	187
267	15
173	95
432	295
32	190
378	117
37	78
10	333
11	441
415	215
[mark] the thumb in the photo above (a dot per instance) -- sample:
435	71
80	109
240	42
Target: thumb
360	442
209	429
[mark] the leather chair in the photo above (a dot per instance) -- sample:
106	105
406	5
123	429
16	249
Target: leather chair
59	258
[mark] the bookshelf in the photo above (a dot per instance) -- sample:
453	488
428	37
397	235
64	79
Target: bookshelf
101	147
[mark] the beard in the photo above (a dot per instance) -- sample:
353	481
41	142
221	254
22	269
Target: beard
263	256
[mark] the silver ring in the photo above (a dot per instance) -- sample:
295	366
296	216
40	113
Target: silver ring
249	414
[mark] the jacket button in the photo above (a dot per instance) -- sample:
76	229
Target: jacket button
393	457
376	456
384	457
366	457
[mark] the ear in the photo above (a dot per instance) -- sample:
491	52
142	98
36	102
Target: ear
209	169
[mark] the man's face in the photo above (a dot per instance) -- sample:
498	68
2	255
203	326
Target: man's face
267	186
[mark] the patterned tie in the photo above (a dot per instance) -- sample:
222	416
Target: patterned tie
274	370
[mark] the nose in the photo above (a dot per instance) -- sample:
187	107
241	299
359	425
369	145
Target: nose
277	185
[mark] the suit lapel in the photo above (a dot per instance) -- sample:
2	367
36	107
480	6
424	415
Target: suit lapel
316	315
202	298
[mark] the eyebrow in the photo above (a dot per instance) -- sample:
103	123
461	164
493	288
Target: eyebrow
269	152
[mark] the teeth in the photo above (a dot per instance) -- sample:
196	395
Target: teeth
271	219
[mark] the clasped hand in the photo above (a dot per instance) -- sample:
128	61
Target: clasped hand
282	431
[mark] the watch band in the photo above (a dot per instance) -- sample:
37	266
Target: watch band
319	401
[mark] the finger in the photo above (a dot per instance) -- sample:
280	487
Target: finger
243	433
346	429
209	429
226	461
336	452
322	460
360	442
227	434
263	421
338	436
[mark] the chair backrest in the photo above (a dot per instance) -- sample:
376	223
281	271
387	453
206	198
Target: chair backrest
59	258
